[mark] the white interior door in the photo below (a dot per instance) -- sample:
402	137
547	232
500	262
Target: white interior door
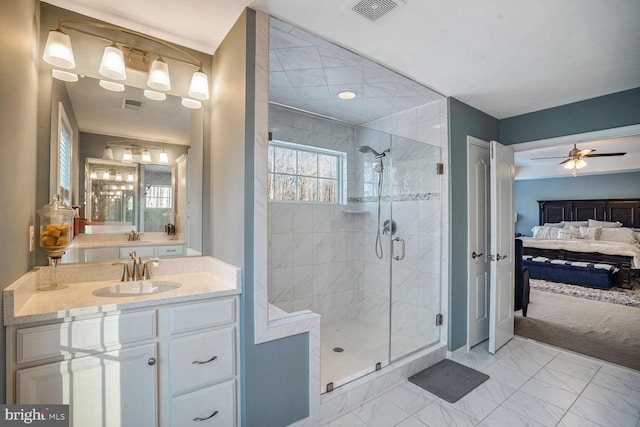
502	268
478	231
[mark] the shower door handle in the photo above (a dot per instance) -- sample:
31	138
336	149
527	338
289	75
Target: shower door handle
393	245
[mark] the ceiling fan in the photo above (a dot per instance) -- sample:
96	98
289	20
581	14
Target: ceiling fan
575	158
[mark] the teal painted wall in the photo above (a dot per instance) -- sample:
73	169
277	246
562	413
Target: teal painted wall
463	120
604	112
610	186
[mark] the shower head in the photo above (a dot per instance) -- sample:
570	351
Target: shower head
367	149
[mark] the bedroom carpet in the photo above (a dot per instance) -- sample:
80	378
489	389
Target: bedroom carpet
598	329
614	295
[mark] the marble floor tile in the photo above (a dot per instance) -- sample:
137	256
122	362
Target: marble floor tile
506	376
573	420
409	397
628	385
475	405
381	413
579	360
625	402
549	393
515	361
348	420
438	414
579	371
505	417
533	408
561	380
602	414
494	390
411	422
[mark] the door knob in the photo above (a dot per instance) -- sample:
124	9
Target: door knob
151	361
474	255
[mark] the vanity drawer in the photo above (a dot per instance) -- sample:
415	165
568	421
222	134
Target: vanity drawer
207	314
199	359
141	251
43	342
170	250
190	409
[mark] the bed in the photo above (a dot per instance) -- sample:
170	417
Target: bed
623	254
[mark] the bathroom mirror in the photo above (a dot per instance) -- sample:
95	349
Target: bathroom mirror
94	118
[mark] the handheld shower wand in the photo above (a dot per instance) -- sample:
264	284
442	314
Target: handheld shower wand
377	167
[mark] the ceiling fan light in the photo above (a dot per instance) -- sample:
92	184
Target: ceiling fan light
58	51
159	75
199	87
112	64
580	164
570	164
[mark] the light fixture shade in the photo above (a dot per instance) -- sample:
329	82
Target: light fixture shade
94	174
107	154
146	156
130	179
199	87
112	65
105	175
164	159
65	76
580	164
194	104
159	75
58	51
154	95
570	164
127	156
112	86
118	176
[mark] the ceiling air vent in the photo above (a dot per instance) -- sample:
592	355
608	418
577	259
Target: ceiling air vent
131	104
374	9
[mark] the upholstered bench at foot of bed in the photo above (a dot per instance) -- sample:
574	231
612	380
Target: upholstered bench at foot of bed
578	273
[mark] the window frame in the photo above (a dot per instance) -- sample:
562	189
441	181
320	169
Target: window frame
341	164
64	125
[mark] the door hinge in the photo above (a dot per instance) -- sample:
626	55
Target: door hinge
270	136
438	319
330	387
440	168
378	366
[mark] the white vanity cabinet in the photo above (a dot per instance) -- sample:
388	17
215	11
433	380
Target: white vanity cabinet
169	365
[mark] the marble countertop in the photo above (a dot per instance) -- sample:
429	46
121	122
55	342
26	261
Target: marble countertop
200	278
110	240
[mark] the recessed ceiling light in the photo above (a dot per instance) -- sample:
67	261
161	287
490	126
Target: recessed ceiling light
346	94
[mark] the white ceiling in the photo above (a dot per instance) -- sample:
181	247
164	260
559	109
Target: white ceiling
502	57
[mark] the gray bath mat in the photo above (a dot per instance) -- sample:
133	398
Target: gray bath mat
449	380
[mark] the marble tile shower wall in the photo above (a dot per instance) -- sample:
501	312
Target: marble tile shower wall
311	246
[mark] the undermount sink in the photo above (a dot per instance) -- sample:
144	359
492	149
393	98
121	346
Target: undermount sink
139	287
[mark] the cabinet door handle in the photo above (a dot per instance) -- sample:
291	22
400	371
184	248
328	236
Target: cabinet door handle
205	419
198	362
151	361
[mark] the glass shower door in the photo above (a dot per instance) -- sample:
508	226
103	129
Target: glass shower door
416	207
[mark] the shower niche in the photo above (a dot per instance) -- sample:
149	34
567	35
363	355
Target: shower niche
369	260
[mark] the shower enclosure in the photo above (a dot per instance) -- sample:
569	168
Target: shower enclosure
370	260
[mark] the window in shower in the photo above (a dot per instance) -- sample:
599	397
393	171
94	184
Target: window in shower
304	173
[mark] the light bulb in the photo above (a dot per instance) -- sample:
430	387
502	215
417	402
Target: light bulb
146	156
105	175
130	178
58	51
159	75
94	175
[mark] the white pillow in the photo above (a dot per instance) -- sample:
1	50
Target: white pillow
554	224
590	233
545	232
569	224
622	235
604	224
569	233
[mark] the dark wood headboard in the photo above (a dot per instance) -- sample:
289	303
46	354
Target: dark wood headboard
626	211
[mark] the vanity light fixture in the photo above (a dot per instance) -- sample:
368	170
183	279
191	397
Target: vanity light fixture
155	95
112	86
65	76
347	94
146	156
127	156
112	64
119	54
163	158
105	175
118	176
130	179
94	174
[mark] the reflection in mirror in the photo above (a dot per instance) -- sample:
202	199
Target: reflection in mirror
95	118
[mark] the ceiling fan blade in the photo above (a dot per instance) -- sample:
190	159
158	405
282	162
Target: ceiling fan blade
585	152
565	161
604	155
